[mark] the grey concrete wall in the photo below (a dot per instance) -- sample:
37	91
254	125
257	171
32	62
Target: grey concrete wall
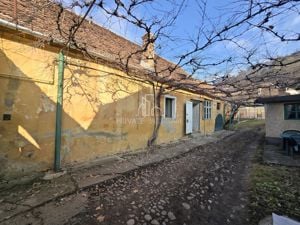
275	122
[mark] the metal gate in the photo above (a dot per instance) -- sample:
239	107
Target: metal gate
219	122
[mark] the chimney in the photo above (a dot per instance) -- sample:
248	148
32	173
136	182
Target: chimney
148	53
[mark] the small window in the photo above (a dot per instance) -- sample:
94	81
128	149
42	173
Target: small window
207	110
6	117
218	105
292	111
170	105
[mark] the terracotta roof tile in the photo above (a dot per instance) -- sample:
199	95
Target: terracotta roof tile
42	16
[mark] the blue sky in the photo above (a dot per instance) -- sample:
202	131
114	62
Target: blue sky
189	21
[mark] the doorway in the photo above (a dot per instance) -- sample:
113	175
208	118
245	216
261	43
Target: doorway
196	116
219	122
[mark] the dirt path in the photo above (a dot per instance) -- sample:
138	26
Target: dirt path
206	186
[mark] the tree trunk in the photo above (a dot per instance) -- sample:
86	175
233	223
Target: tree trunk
157	115
234	110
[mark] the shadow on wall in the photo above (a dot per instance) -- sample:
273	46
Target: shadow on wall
100	116
29	112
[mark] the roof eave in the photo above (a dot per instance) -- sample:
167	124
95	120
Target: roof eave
57	42
279	99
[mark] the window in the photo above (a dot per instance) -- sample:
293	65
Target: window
292	111
207	110
170	107
218	105
6	117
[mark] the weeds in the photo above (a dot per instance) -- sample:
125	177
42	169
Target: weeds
274	189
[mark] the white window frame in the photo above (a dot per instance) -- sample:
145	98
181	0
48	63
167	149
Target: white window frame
207	109
173	106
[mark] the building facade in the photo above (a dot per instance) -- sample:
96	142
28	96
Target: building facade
251	112
103	110
282	113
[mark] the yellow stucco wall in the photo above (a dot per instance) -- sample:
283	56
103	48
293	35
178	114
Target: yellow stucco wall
103	112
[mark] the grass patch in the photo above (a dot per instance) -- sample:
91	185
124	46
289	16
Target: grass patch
248	124
274	189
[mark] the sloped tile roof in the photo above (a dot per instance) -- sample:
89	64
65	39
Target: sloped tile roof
43	16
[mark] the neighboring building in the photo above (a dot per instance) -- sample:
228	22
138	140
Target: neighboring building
251	112
258	112
275	91
282	113
278	77
104	111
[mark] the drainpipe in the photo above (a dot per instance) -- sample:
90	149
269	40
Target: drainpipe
59	111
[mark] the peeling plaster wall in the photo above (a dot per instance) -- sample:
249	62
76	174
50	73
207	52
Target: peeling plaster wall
28	94
103	113
173	129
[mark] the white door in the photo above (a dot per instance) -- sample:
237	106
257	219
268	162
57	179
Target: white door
188	117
